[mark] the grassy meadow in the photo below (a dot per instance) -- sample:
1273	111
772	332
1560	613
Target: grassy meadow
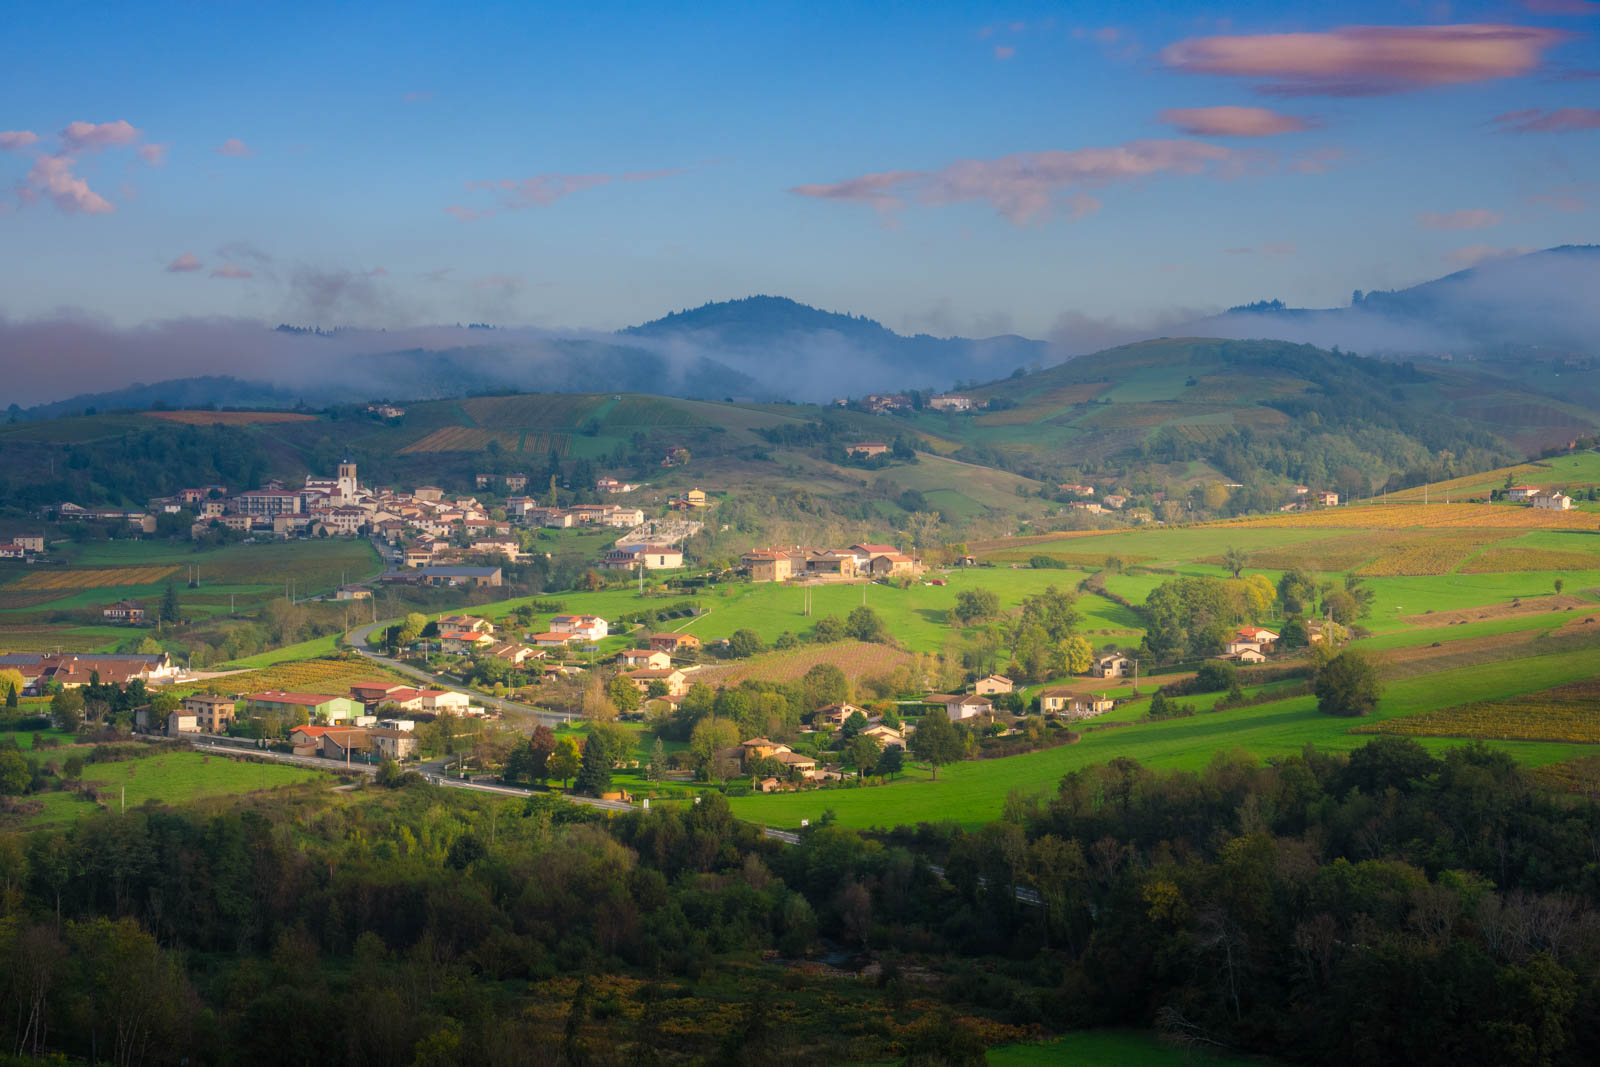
175	777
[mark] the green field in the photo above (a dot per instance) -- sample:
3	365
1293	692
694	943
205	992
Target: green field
174	777
972	792
1110	1048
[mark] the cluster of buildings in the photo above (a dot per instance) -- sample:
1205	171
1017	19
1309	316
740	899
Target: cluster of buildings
70	670
1305	499
889	403
24	546
1543	499
828	564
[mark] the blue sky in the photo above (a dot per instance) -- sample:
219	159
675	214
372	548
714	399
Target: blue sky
940	167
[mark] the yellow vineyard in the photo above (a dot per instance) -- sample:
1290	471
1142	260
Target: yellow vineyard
331	676
464	439
1430	516
94	579
1565	713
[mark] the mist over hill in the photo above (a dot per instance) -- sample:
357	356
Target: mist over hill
1505	306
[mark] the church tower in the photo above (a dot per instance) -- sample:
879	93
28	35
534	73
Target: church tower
347	476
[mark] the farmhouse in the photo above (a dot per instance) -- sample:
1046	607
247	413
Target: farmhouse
511	652
398	745
212	714
766	565
893	565
650	557
950	402
475	623
866	449
477	576
460	641
123	611
675	643
181	723
353	592
831	565
1552	501
1521	494
1112	666
1260	635
887	736
1328	499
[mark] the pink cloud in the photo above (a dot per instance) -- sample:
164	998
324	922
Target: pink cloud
234	147
1369	60
1026	187
1004	51
184	264
17	140
542	190
1569	198
1278	248
228	270
1243	251
417	96
1541	120
91	137
1562	7
53	177
1462	258
154	154
1232	121
1471	219
1317	161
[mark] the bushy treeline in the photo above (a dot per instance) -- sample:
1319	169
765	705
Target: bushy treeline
131	469
1385	907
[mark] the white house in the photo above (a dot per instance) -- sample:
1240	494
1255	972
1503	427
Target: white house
1552	501
1521	494
591	627
968	706
1113	666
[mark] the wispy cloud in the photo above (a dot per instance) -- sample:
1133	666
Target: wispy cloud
233	271
542	190
1568	198
234	147
417	96
1233	121
154	154
1271	248
1004	51
1562	7
1369	60
17	140
1548	120
1472	255
1470	219
184	264
52	176
91	137
1031	186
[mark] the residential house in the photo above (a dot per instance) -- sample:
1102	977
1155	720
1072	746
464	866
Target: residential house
1071	705
1328	499
315	705
1521	494
993	684
675	643
212	714
550	639
1300	490
759	748
648	658
511	652
476	623
795	763
831	565
650	557
886	736
766	565
836	715
1232	649
694	499
588	627
1552	501
1247	654
1077	490
398	745
12	550
866	449
676	681
430	493
1114	500
344	744
1264	638
880	404
964	706
124	611
865	552
950	402
623	517
463	641
516	483
508	547
267	503
353	592
1112	666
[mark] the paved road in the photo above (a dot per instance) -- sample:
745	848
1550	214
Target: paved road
357	639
